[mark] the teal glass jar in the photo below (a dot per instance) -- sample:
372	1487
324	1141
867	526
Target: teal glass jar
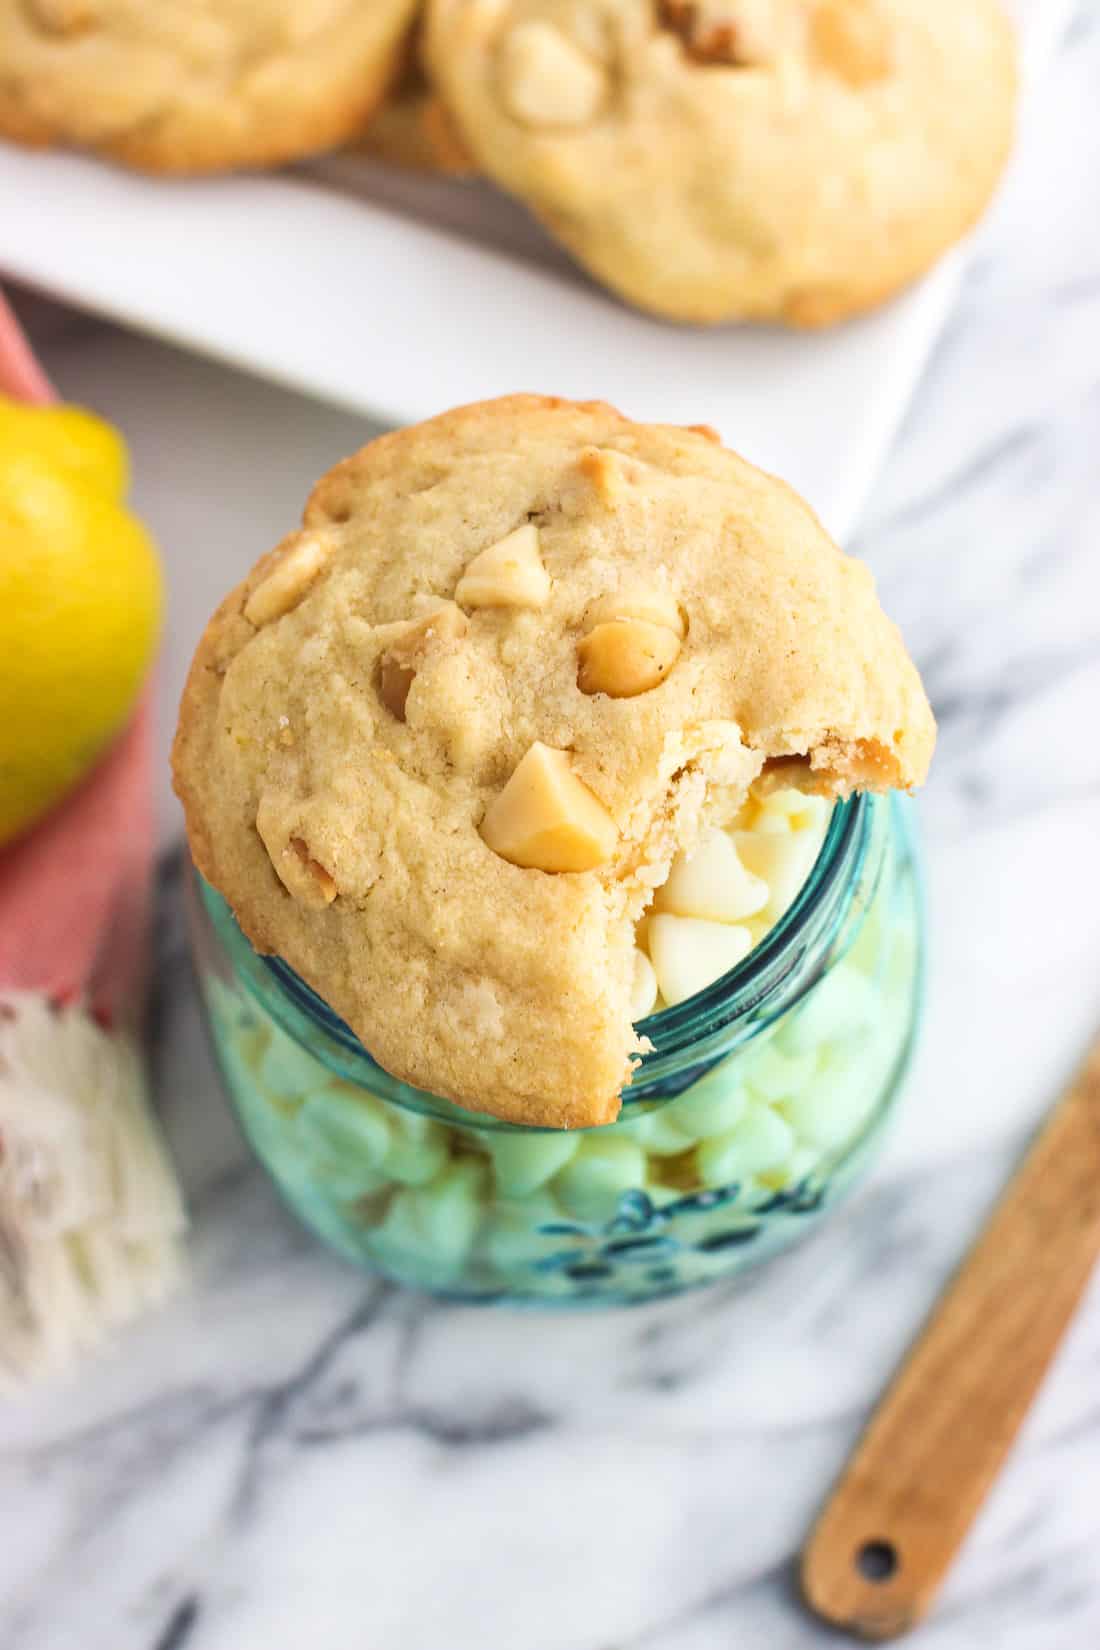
760	1105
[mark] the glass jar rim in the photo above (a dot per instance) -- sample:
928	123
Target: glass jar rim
758	979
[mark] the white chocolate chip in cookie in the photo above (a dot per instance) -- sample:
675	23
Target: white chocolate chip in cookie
607	474
290	578
398	665
546	819
506	574
625	657
546	80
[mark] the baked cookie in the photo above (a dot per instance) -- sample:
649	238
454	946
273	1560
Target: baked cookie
442	744
721	159
413	128
194	86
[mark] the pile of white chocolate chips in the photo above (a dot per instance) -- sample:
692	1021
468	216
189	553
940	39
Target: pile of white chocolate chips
721	899
481	1206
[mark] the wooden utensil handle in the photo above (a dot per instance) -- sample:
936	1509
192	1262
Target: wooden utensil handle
892	1525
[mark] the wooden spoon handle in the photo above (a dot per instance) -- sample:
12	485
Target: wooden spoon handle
881	1548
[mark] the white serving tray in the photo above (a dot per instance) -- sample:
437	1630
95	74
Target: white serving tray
397	295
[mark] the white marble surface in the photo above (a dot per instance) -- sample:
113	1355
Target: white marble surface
294	1456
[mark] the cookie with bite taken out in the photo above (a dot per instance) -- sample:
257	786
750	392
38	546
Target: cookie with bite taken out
443	743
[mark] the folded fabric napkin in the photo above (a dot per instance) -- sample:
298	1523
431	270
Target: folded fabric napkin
91	1219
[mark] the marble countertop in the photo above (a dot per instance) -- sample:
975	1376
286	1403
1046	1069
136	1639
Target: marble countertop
292	1455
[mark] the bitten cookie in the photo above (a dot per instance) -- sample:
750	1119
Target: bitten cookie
195	87
720	159
441	745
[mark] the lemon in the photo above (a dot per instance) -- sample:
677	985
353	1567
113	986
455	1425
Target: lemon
80	603
73	440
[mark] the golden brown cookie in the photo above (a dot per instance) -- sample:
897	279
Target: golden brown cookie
721	159
191	86
413	129
441	745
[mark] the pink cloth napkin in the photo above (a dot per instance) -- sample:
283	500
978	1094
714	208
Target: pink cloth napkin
74	891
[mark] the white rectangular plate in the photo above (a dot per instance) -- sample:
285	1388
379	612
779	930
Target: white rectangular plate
396	296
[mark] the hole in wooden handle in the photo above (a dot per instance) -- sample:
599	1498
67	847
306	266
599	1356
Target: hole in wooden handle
877	1560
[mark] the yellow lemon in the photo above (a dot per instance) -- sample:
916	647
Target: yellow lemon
80	603
71	439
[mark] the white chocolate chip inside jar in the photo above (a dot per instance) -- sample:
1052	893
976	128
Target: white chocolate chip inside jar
722	897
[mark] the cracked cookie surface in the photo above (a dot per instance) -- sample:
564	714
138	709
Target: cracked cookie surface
196	85
440	746
722	159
